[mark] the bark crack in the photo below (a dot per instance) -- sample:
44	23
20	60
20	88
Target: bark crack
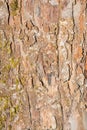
7	4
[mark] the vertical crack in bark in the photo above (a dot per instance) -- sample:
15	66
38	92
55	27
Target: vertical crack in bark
7	4
20	11
73	36
32	81
57	47
56	36
73	22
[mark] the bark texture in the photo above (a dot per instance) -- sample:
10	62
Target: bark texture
43	65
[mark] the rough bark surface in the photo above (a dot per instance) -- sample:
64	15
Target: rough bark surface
43	65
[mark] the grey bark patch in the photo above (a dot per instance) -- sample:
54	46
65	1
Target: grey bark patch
3	13
53	2
49	78
65	73
67	11
73	123
38	11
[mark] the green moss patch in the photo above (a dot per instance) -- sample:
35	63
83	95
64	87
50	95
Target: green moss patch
14	7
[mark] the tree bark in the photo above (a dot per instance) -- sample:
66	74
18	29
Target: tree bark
43	65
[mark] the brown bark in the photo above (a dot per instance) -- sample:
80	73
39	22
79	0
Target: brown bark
43	65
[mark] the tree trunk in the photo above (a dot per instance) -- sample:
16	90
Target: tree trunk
43	64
